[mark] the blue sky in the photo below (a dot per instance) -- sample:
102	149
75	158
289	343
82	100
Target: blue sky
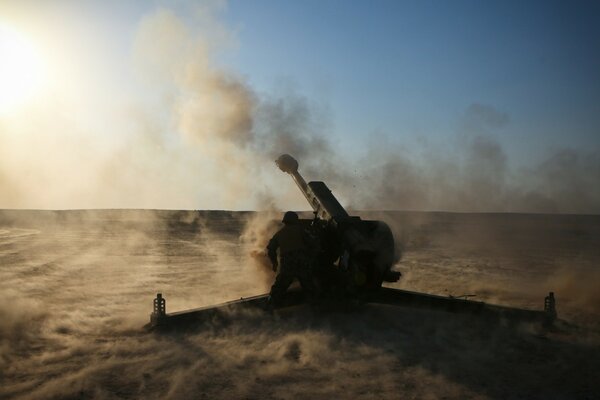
413	68
404	68
417	88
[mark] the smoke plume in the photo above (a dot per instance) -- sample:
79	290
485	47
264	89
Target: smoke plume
194	134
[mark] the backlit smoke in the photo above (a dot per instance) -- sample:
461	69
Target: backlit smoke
201	137
77	286
258	230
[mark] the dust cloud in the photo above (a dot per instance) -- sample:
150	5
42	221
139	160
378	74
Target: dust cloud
184	132
258	230
250	131
478	253
78	287
580	287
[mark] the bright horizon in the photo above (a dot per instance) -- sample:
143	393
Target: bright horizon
430	106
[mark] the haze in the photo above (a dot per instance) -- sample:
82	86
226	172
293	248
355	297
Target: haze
185	105
404	109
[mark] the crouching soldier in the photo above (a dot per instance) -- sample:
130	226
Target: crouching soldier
295	253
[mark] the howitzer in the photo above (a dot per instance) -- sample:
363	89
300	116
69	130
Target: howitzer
360	252
354	258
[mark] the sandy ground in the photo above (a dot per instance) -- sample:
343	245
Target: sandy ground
77	288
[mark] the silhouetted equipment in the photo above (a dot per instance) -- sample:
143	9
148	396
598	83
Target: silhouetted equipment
159	313
386	296
354	253
354	257
550	306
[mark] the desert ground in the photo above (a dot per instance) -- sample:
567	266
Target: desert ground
77	289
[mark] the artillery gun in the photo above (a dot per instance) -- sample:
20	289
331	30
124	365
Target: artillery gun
354	255
354	258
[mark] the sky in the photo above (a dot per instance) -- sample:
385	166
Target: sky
406	67
429	105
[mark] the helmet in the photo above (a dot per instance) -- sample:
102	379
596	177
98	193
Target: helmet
290	217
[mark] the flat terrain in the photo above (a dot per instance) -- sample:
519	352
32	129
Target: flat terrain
77	287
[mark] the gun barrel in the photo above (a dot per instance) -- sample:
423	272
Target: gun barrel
289	165
369	245
318	195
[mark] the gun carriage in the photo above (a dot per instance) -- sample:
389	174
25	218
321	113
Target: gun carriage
353	259
353	255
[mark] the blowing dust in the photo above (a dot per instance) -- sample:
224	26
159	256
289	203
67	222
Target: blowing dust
78	285
579	286
258	230
81	285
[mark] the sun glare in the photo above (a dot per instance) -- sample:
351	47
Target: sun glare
21	70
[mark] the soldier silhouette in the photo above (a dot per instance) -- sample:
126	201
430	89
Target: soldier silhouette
294	245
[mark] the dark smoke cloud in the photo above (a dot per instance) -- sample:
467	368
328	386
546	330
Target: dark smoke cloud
204	138
290	123
80	285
